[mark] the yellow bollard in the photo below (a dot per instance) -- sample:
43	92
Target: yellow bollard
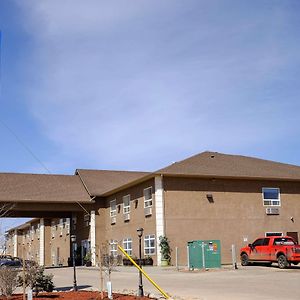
144	273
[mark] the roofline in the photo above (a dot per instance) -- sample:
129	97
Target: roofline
152	175
229	177
86	188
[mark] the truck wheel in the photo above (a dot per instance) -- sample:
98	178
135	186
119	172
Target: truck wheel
282	262
244	260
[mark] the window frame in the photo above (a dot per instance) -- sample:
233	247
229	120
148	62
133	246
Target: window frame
271	201
113	212
113	248
148	248
127	245
126	208
146	201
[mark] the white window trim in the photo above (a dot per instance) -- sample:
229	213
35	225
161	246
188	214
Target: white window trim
113	247
148	248
279	198
126	209
113	212
149	200
127	249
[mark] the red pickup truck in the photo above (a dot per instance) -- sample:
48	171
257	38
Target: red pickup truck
281	249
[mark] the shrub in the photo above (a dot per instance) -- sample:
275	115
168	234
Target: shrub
36	279
8	280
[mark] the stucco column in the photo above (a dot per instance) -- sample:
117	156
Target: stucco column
16	243
93	237
159	213
42	242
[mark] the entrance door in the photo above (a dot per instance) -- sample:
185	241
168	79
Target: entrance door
294	235
57	257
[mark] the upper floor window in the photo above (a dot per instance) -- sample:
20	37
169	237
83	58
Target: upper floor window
126	204
113	208
148	197
271	196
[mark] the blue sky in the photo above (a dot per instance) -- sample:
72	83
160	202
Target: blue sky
136	85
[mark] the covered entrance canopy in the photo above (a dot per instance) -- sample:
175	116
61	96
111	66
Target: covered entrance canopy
40	195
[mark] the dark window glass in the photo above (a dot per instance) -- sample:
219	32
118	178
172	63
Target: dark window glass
266	242
271	193
258	242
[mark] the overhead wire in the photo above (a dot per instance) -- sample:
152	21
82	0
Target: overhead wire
18	139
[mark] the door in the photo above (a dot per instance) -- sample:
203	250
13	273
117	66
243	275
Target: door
294	235
259	249
57	257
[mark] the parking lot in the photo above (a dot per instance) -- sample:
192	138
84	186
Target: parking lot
251	282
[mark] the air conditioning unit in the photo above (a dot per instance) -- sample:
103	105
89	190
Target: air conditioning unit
126	217
148	211
272	211
113	220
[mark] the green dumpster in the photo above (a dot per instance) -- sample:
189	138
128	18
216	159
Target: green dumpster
204	254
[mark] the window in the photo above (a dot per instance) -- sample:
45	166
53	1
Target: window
126	204
271	196
149	244
86	220
127	245
273	234
258	242
113	208
148	197
113	247
284	241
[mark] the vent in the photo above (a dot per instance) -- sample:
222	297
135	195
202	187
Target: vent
272	211
126	217
148	211
113	220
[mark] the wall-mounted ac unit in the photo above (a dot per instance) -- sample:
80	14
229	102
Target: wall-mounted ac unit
113	220
272	211
148	211
126	217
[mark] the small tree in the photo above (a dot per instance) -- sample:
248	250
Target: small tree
165	248
36	279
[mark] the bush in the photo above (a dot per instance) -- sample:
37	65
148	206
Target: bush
8	280
37	280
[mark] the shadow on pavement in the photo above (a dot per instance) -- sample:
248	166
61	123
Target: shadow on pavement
68	288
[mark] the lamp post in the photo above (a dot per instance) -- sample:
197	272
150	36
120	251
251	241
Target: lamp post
73	240
140	234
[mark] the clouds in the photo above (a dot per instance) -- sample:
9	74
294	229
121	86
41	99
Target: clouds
116	82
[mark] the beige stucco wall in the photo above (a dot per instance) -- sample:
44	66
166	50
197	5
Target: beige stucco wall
105	231
237	215
59	242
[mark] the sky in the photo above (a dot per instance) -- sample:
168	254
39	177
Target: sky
137	85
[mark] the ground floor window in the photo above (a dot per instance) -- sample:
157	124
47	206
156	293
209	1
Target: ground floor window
149	244
113	247
273	234
127	245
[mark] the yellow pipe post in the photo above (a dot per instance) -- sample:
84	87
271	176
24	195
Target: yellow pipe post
144	273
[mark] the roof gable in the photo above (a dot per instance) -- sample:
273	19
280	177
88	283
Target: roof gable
214	164
100	182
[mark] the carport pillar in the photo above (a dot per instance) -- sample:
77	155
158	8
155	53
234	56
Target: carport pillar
16	243
93	237
42	242
159	213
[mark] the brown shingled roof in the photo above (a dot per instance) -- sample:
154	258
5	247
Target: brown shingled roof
99	182
216	164
42	188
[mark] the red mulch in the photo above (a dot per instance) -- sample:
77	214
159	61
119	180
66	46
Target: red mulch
80	295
